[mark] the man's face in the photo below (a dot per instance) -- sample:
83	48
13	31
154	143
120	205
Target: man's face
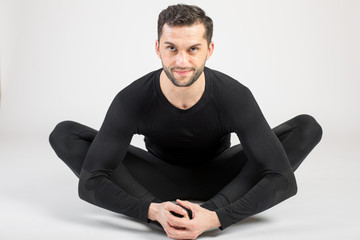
183	52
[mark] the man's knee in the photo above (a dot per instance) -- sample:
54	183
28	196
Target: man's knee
306	134
310	127
58	136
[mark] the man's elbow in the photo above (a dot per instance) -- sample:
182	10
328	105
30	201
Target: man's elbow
287	188
83	191
293	188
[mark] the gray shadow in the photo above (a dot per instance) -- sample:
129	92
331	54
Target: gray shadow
235	227
211	233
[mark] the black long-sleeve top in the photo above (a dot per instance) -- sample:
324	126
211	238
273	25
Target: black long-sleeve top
191	136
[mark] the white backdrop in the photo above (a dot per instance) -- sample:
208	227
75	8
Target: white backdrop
67	59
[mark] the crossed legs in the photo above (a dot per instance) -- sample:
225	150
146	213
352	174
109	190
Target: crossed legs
157	180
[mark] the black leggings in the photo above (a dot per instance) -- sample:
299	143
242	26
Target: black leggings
228	176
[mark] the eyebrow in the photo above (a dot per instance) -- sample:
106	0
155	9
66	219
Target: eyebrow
195	45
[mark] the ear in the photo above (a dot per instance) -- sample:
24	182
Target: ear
157	48
210	50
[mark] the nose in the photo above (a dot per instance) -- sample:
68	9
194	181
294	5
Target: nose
182	59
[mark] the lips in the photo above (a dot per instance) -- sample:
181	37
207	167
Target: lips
182	73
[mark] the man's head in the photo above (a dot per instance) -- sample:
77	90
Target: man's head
184	43
185	15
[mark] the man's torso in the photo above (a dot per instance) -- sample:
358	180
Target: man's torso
178	136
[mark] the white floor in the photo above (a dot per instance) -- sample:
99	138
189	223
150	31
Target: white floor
39	199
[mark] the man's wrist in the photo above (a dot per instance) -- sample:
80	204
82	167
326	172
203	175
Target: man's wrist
153	210
215	220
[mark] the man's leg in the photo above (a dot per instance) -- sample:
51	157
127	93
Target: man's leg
140	174
298	136
71	141
168	182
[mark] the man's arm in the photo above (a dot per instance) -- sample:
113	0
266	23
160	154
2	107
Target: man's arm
263	147
107	150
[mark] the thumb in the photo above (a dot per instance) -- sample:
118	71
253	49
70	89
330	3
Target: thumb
187	204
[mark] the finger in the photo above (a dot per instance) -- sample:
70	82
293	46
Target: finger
184	203
189	205
170	227
176	221
189	212
175	233
175	208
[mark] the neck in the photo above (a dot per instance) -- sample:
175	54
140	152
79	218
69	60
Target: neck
182	97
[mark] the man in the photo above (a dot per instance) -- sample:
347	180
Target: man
186	113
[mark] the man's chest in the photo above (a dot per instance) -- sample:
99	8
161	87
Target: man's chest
187	130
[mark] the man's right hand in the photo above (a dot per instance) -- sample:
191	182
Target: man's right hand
161	212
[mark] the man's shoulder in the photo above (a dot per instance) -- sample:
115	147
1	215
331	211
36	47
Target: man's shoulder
224	82
143	83
230	95
138	93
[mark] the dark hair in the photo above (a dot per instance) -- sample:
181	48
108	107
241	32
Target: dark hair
185	15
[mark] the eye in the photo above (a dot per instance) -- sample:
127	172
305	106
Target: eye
171	48
193	49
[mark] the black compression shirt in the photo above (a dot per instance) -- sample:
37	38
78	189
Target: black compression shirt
186	137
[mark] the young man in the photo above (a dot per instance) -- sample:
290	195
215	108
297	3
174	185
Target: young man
186	113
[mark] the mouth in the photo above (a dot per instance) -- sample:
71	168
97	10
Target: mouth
182	72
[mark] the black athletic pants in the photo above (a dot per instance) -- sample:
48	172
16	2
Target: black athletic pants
154	177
